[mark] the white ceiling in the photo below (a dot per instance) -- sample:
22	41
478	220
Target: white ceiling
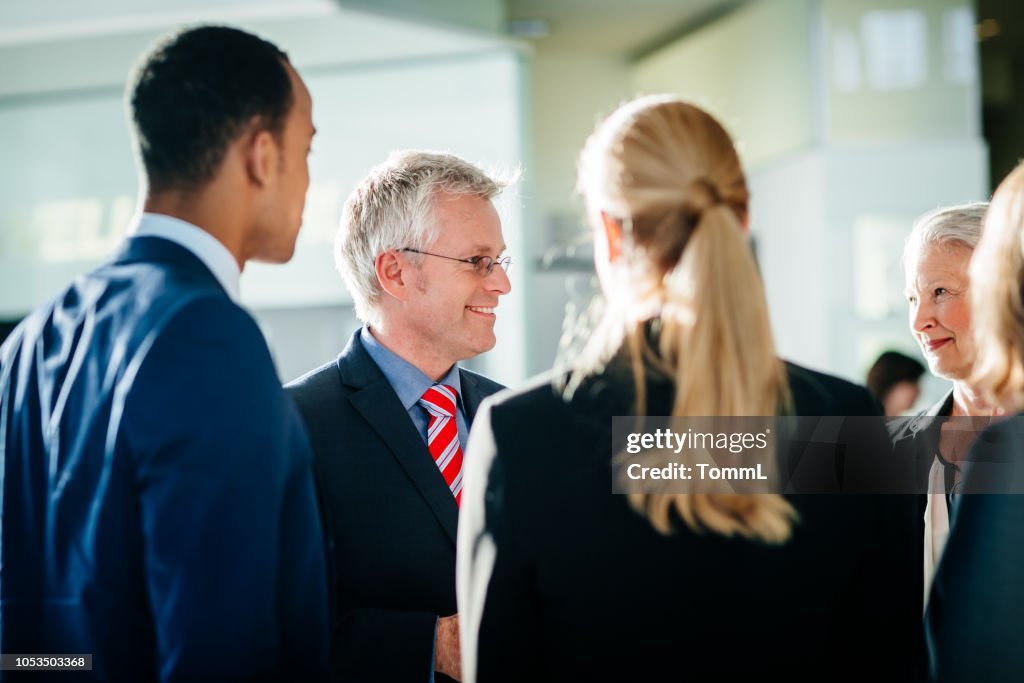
67	45
626	27
44	21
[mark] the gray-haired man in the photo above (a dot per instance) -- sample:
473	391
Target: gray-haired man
420	247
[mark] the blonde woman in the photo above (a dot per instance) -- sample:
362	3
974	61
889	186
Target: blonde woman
558	579
977	600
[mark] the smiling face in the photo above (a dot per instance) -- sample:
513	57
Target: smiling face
940	315
451	307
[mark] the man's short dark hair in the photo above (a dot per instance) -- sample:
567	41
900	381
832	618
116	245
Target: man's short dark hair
196	93
891	368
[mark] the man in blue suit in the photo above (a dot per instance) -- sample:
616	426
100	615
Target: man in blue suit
420	246
158	507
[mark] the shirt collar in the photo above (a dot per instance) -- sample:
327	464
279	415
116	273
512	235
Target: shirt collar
406	379
202	244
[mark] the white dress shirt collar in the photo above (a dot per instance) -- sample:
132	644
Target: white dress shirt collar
205	246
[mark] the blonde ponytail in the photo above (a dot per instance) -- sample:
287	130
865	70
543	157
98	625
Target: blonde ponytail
671	175
716	343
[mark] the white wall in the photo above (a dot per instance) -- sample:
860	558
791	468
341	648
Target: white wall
853	117
752	69
570	91
829	225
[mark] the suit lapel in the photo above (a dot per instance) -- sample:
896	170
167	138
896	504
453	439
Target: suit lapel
924	430
471	397
941	409
378	404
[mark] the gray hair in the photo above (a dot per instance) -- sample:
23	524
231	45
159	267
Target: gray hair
393	208
959	224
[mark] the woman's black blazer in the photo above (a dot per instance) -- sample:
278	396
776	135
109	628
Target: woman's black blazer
559	579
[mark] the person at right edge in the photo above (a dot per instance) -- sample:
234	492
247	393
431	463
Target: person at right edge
557	578
977	598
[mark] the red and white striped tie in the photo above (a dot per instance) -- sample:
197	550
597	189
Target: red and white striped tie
443	435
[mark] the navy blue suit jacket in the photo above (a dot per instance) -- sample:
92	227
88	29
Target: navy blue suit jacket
390	516
977	598
158	505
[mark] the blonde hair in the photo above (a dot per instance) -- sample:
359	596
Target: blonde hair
670	173
996	274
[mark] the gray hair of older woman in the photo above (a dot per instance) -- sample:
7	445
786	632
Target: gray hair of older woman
960	224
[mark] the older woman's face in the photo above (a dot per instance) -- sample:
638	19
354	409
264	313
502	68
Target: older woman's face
940	314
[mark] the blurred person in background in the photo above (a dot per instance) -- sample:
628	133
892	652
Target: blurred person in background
894	379
561	580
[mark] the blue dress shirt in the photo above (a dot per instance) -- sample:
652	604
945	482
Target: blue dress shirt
410	384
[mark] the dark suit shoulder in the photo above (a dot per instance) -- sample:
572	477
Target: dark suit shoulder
816	393
1001	442
316	383
133	309
537	393
153	282
910	426
485	386
221	345
899	428
318	395
205	314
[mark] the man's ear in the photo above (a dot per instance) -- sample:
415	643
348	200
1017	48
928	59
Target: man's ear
390	274
613	234
261	157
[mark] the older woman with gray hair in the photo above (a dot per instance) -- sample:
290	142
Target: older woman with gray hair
935	260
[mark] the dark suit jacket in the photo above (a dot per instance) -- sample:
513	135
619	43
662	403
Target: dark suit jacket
159	508
977	600
916	438
391	518
560	580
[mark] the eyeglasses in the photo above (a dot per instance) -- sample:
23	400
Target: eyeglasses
483	265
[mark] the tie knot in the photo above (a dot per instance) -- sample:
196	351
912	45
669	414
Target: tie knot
440	400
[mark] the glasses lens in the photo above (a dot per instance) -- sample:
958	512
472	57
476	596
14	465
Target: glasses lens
485	265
